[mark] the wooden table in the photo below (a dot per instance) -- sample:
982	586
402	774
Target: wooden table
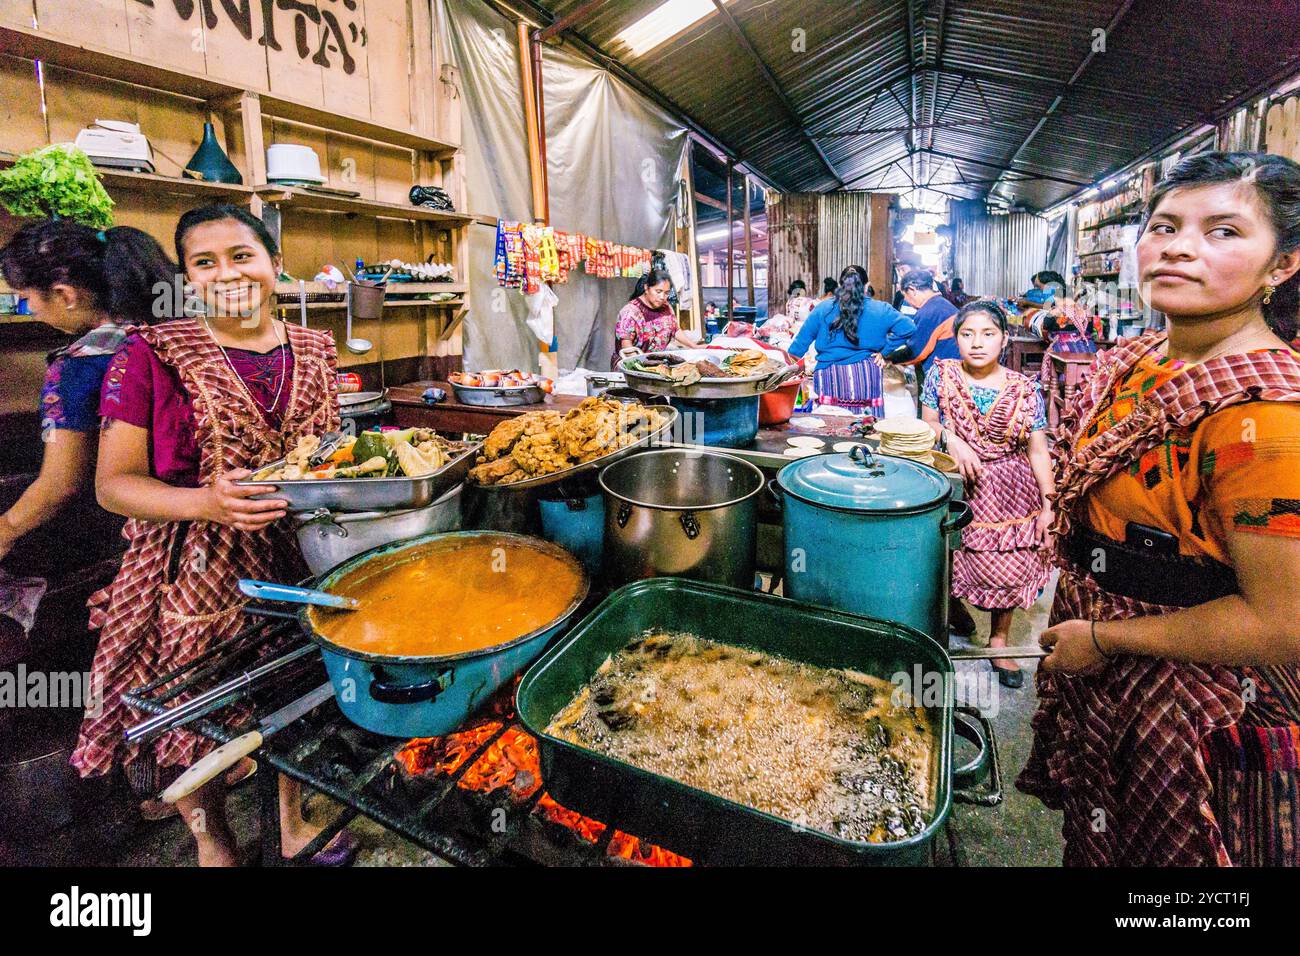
1023	349
450	417
1068	369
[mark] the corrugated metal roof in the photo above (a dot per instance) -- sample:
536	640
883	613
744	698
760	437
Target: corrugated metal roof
983	73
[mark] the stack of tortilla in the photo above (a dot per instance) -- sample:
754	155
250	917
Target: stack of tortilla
905	437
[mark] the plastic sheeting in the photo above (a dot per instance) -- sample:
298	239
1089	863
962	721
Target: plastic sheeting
613	160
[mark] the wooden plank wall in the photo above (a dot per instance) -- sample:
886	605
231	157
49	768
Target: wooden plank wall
390	36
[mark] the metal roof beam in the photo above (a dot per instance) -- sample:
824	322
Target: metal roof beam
1000	167
934	76
908	138
1064	91
569	20
776	88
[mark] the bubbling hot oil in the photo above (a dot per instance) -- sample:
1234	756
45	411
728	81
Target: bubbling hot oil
826	749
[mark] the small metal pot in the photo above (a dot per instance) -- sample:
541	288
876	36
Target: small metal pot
681	513
327	538
499	396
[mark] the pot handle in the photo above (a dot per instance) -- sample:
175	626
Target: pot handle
970	727
385	691
774	490
959	516
970	724
690	524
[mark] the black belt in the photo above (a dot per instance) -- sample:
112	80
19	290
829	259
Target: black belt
1172	580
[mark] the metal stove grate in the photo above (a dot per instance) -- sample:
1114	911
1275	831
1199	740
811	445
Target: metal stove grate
360	770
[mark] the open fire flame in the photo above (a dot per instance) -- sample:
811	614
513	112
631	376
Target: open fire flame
512	764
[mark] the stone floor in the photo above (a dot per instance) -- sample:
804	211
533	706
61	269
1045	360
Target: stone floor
1020	831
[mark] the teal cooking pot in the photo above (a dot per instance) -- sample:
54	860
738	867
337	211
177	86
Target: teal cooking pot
871	534
428	696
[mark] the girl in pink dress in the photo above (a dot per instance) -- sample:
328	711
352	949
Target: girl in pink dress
993	423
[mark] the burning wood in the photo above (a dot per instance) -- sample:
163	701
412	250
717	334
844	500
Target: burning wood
511	761
626	847
444	755
511	766
584	827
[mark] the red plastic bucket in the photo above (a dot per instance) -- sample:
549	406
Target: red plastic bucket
776	407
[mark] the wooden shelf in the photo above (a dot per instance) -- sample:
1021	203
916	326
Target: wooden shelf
289	308
176	185
320	202
290	289
1112	220
116	65
286	294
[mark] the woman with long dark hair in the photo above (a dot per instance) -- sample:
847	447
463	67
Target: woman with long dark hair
1170	705
648	323
850	332
92	285
191	406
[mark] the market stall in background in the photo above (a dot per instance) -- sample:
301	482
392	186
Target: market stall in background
466	194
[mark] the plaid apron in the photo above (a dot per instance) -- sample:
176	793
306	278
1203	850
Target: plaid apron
1000	564
1123	753
176	594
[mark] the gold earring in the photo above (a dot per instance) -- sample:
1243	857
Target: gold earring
1268	294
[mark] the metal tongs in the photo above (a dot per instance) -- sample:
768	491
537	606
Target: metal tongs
780	377
330	442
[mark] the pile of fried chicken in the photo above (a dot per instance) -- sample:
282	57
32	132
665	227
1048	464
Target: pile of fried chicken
542	443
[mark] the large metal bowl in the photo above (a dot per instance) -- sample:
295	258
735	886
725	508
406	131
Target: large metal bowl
729	387
660	434
368	494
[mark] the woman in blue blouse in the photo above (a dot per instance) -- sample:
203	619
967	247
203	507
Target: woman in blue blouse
81	282
850	332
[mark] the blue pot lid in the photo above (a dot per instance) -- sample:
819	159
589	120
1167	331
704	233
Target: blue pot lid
878	485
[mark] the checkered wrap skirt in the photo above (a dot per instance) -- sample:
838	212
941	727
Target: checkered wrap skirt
1000	565
176	594
859	387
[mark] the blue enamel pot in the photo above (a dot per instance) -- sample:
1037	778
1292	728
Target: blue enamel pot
413	696
720	422
871	535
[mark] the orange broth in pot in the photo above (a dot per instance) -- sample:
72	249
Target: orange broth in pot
451	596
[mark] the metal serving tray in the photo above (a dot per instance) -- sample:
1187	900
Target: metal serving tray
368	494
658	434
498	395
729	387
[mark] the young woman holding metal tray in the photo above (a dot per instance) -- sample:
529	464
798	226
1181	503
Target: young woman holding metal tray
191	406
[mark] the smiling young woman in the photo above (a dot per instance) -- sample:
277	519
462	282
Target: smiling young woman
1170	705
191	405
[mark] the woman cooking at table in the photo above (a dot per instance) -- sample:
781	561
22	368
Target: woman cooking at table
1170	709
850	332
190	406
647	323
89	284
